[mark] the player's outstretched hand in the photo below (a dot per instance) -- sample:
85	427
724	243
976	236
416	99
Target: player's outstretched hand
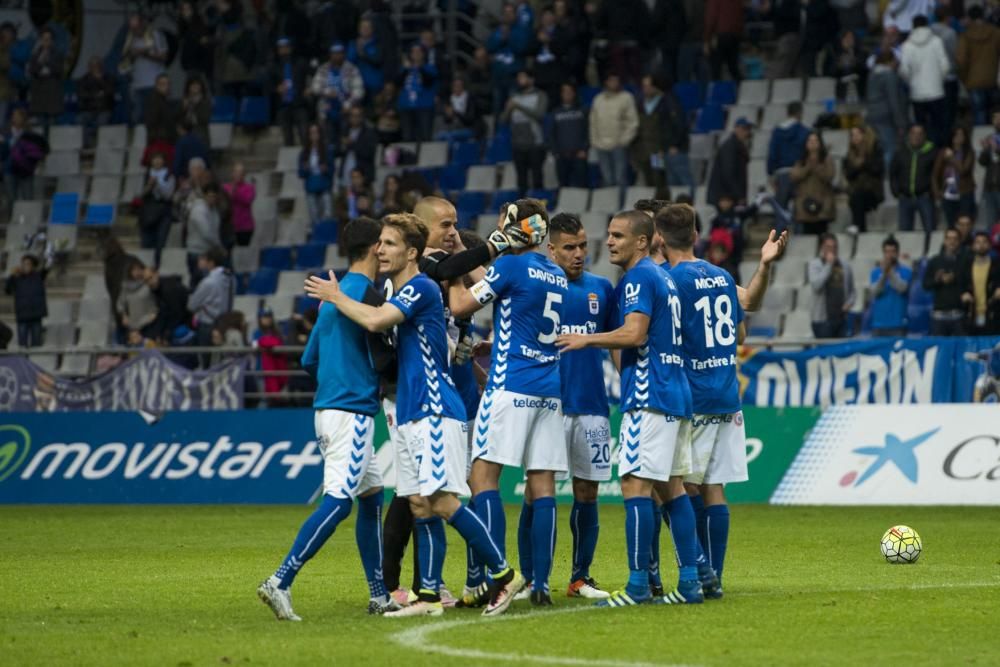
324	290
773	247
570	342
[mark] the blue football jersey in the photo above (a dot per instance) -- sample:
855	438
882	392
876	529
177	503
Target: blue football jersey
589	308
709	321
653	373
337	355
528	292
425	387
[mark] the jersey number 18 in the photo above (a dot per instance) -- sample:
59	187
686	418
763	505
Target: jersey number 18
723	330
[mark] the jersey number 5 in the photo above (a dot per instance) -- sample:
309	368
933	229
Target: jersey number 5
551	298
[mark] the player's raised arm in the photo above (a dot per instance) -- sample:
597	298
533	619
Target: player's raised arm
752	296
371	318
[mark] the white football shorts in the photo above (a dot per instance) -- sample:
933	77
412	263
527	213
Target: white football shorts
718	450
346	442
434	457
515	429
652	445
588	445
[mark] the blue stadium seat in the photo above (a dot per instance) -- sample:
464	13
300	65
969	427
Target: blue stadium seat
65	208
453	177
689	95
721	93
471	201
310	256
466	218
464	153
325	232
278	258
431	174
99	215
263	281
710	118
587	94
593	175
547	196
223	109
304	303
500	148
254	112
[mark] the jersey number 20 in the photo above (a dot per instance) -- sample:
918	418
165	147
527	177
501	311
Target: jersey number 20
551	298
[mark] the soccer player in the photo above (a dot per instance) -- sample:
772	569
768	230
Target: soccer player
520	418
337	354
431	468
655	403
589	308
712	327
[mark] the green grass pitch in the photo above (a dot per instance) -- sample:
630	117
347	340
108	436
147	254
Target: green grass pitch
175	586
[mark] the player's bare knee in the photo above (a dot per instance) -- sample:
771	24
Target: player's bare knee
635	487
485	476
444	504
692	489
420	507
584	490
675	487
713	494
542	483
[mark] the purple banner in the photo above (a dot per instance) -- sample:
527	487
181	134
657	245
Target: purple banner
148	382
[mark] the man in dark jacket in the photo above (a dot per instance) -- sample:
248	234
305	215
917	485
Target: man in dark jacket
189	146
989	157
661	126
160	113
910	179
96	94
289	82
788	141
729	171
979	278
941	278
27	284
358	144
569	139
886	103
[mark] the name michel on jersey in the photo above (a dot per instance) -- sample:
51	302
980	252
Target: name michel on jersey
709	283
546	277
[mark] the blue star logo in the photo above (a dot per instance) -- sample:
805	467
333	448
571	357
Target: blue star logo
900	452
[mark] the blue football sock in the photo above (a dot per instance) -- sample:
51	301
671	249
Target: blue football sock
717	519
474	574
489	508
474	532
543	541
585	527
313	534
432	546
654	547
368	532
698	504
524	553
638	536
682	528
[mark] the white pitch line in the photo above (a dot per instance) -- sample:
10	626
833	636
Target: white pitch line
419	637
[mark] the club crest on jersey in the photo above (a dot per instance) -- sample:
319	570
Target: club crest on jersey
593	303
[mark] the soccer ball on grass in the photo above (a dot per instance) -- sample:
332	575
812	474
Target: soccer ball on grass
901	544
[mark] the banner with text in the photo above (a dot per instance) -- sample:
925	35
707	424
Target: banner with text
878	370
898	455
149	382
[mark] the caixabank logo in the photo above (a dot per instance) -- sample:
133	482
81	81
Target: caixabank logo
15	444
897	451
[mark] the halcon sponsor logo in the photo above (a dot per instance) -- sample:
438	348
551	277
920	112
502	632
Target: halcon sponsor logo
222	459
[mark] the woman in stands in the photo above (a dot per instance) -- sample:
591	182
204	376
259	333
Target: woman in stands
196	107
156	210
864	171
241	193
316	172
953	182
813	176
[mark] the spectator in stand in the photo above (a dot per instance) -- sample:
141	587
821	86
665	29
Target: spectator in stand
21	150
723	32
136	305
886	104
613	125
728	225
213	296
889	284
95	93
144	53
479	80
27	284
390	201
980	280
357	146
924	65
46	72
189	146
661	142
864	172
691	61
316	172
941	278
160	117
266	338
942	28
289	78
833	290
525	111
8	91
203	229
507	47
995	238
195	41
625	25
963	225
550	67
668	24
461	115
728	177
155	213
336	87
434	55
354	199
418	93
570	139
571	30
812	176
954	184
901	15
241	193
196	107
235	49
788	141
910	176
366	54
387	122
849	66
989	157
978	60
